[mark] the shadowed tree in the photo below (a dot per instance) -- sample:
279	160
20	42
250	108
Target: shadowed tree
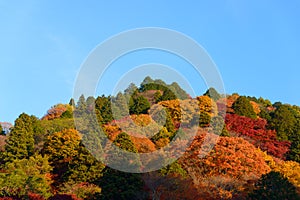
274	186
1	130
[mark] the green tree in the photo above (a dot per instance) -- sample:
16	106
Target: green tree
180	93
173	169
120	185
81	104
264	113
124	142
90	102
264	102
212	93
83	167
162	134
20	143
284	122
119	106
160	82
204	119
157	96
72	103
243	107
123	153
294	153
103	109
67	114
138	105
146	81
168	95
26	176
169	123
274	186
1	130
130	90
218	126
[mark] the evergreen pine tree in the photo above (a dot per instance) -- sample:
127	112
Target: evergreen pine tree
20	143
212	93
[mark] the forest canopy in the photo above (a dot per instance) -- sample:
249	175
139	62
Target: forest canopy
243	147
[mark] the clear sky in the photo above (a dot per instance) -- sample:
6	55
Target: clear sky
255	44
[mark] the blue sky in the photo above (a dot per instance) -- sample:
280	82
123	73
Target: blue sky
255	45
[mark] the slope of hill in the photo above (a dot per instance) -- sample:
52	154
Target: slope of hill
256	150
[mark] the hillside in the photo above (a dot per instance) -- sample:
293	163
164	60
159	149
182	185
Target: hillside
230	147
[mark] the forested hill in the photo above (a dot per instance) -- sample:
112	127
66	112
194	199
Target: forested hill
256	153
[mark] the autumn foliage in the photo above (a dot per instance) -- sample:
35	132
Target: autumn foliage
51	158
255	131
233	157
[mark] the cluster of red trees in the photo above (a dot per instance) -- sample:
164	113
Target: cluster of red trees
255	131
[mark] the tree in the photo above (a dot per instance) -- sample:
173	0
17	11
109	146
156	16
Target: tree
256	132
61	148
120	185
160	82
124	142
90	101
138	105
243	107
157	96
62	145
146	81
212	93
284	122
179	92
168	95
119	106
130	90
169	123
72	103
204	119
103	109
20	143
83	167
1	130
26	176
294	153
173	169
81	104
218	126
206	104
57	111
233	157
162	138
123	153
274	186
67	114
264	102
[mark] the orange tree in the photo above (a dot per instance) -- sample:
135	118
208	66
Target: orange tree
233	157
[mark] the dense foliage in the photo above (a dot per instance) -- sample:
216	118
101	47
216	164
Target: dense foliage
243	107
253	153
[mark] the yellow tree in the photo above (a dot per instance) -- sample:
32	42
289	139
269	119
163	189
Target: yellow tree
206	104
